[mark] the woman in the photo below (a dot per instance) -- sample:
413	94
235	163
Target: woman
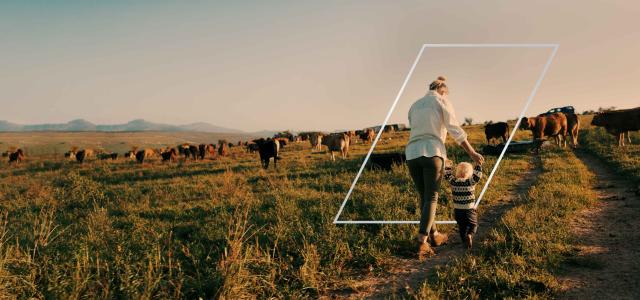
430	118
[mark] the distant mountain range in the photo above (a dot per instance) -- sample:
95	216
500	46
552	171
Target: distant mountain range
135	125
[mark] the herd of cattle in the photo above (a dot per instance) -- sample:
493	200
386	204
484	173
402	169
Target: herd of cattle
559	125
556	125
267	148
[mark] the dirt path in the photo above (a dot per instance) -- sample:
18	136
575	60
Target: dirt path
607	259
407	274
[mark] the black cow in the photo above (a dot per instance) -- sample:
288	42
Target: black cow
252	147
267	149
170	155
496	130
385	161
16	156
194	151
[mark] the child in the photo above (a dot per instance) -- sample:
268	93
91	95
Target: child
463	186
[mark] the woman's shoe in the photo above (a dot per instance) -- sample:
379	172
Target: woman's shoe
438	239
425	251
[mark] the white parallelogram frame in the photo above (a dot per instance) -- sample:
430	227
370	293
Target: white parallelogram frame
554	48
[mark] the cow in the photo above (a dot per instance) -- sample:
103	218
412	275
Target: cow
337	142
144	154
304	136
16	156
386	161
284	134
130	154
351	134
496	130
70	155
267	149
84	154
223	148
169	155
573	128
252	147
202	151
315	138
367	135
619	122
192	151
552	125
183	149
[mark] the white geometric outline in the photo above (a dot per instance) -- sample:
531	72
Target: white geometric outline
404	84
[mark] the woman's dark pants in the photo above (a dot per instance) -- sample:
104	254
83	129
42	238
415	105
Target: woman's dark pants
427	173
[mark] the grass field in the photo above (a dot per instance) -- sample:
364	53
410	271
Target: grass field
227	228
626	160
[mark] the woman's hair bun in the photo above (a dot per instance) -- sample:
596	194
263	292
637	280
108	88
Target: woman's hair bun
442	78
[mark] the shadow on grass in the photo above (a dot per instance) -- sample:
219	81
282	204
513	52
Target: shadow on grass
144	175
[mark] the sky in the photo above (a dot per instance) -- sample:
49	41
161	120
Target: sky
307	65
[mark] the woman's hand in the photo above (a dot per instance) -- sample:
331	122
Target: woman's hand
477	157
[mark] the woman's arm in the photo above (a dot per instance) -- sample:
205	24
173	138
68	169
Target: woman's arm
451	122
479	159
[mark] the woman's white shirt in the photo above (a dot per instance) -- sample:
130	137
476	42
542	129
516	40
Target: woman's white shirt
430	118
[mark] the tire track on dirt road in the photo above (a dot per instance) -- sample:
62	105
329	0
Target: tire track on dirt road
606	264
407	274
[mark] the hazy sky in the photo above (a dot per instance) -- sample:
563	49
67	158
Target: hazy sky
306	64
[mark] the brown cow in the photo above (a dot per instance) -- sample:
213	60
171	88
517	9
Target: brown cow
223	148
573	128
16	156
553	125
619	122
337	142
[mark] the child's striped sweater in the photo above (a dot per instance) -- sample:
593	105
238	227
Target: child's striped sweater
463	190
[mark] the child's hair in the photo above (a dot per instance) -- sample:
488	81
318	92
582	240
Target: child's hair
464	170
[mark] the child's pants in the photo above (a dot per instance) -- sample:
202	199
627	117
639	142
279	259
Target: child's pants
467	221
